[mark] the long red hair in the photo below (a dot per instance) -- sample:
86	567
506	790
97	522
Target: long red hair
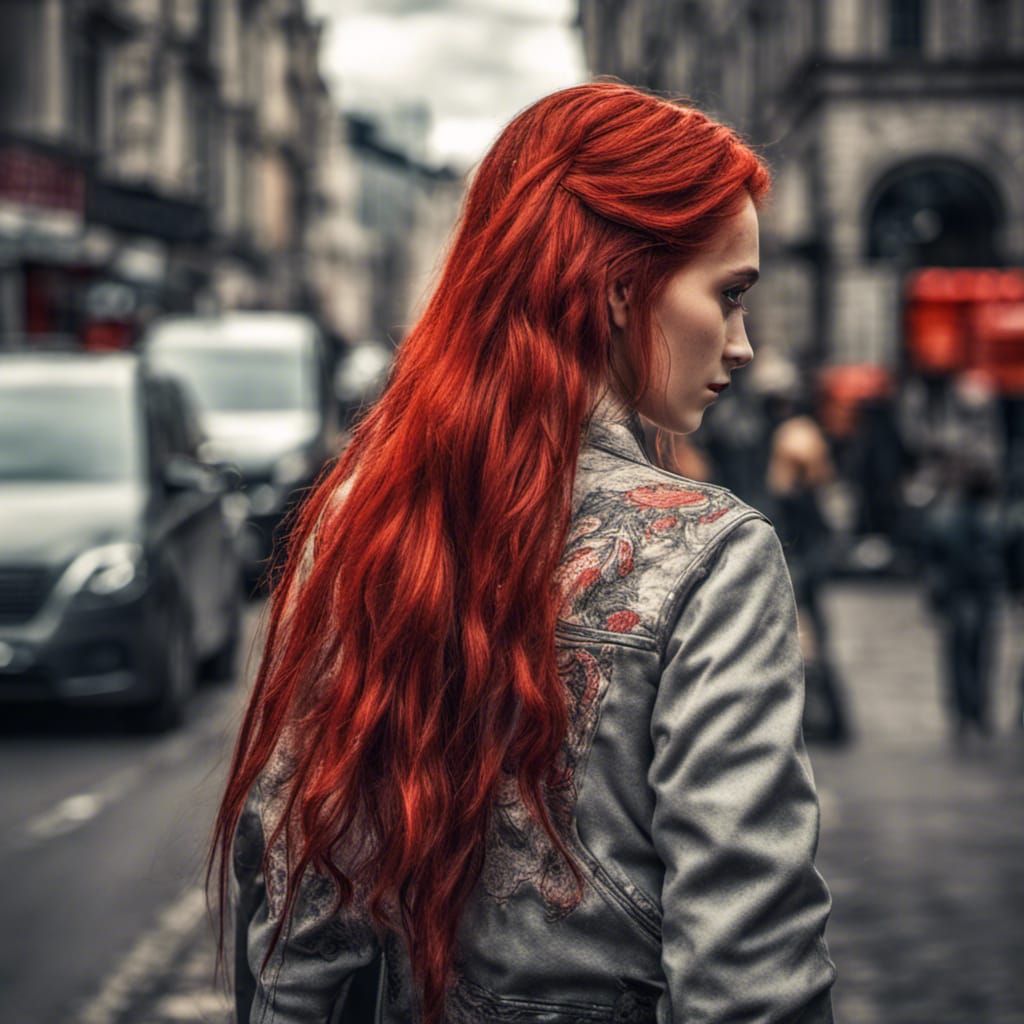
412	660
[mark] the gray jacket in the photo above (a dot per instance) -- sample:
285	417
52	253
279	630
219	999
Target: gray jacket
689	800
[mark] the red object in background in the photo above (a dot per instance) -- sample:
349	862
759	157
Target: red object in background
107	335
30	177
936	336
998	332
842	389
967	319
42	290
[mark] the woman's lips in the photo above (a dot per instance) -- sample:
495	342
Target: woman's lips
717	389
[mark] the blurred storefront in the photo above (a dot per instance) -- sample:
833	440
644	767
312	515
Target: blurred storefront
186	155
893	131
154	157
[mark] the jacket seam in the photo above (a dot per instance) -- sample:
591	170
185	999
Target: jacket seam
650	929
596	1011
666	472
685	580
573	633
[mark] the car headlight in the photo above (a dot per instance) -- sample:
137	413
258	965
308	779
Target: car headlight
107	570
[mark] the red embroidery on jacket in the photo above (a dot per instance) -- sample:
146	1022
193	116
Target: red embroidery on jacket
663	496
622	622
625	551
710	517
519	851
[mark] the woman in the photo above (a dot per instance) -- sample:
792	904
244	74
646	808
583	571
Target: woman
528	716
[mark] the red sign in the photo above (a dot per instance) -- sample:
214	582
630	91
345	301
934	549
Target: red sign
31	178
963	319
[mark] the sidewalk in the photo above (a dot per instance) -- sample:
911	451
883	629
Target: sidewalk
921	846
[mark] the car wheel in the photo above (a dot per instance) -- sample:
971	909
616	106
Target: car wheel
175	667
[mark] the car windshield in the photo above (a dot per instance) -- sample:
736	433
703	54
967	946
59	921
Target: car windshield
235	379
75	432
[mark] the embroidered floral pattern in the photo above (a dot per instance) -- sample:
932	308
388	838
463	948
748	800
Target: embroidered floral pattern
621	622
519	851
620	539
664	496
331	934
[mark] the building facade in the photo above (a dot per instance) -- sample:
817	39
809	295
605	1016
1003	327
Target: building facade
894	129
155	155
405	210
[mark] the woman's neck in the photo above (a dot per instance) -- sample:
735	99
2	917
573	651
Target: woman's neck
610	407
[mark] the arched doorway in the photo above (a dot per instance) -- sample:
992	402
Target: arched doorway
935	212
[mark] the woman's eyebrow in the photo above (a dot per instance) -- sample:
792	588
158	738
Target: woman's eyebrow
750	274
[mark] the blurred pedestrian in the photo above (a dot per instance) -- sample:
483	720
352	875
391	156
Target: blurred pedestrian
965	541
1014	522
799	467
881	459
735	439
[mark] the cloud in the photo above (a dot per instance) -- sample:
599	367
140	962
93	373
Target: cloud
475	63
519	11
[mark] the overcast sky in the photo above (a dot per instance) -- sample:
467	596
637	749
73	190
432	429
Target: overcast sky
474	62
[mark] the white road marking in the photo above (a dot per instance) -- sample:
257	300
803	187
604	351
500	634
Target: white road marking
150	955
192	1007
77	810
74	811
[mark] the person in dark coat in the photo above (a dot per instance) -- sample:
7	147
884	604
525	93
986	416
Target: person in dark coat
799	466
965	541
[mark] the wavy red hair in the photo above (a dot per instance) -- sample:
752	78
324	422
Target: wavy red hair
414	654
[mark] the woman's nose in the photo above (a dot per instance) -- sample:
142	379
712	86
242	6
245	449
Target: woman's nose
739	351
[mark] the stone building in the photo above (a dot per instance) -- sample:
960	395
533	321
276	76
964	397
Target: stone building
154	155
406	210
894	128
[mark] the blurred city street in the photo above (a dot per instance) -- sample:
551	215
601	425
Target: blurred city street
221	220
104	833
920	844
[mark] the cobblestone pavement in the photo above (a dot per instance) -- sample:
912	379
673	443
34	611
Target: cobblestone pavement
921	842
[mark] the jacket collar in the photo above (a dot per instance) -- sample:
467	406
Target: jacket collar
616	428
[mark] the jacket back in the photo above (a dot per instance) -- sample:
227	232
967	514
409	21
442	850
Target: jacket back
688	797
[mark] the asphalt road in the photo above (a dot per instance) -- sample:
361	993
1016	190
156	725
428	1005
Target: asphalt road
101	850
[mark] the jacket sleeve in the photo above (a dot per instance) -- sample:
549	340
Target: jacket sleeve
736	813
308	978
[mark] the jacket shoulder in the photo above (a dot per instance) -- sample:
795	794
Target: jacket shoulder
636	534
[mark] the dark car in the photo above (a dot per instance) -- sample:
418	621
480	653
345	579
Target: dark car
262	382
119	563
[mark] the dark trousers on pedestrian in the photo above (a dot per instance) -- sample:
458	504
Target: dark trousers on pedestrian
969	648
825	713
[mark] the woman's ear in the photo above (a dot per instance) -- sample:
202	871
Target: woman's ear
618	292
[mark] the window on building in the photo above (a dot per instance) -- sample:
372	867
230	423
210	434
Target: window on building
995	25
86	91
906	25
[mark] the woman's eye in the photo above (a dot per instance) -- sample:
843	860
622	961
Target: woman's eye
737	303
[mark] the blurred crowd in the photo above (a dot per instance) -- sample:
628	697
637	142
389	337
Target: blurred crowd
923	484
